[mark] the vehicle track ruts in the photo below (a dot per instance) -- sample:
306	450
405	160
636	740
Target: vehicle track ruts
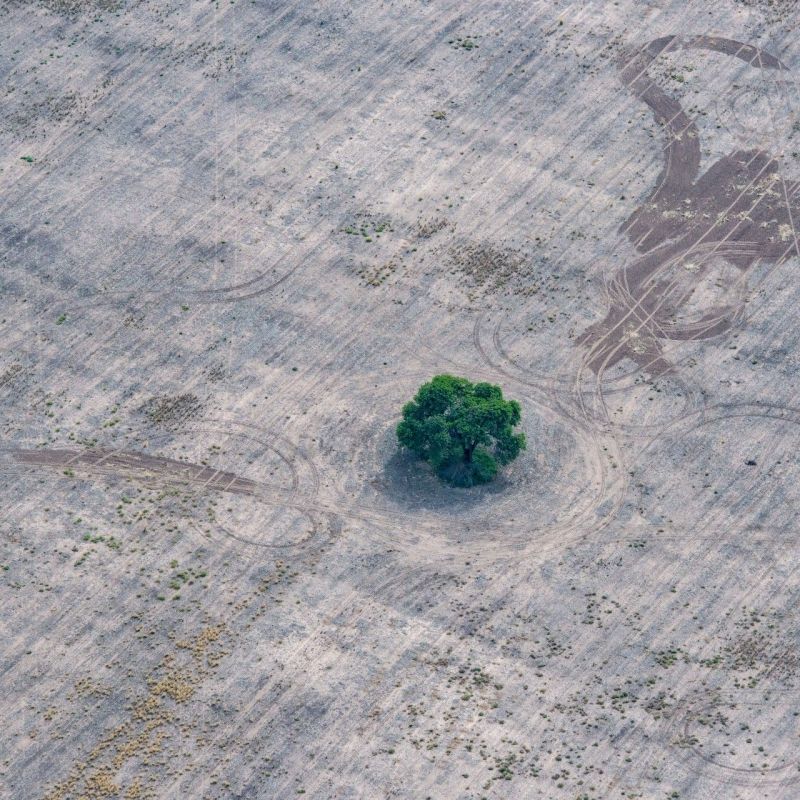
411	532
587	402
695	715
724	411
159	471
708	325
420	533
675	256
424	342
654	233
303	481
747	134
677	121
713	322
676	251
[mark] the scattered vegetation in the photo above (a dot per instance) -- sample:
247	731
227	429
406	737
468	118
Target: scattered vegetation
369	230
172	410
487	267
463	42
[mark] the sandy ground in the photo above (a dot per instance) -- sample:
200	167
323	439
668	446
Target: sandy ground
236	236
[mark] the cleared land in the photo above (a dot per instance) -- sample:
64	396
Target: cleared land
236	236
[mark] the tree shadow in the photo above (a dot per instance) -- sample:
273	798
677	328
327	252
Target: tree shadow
410	483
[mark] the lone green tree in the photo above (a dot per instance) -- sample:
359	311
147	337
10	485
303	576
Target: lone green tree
464	430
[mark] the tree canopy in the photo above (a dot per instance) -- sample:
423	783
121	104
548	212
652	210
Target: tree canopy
464	430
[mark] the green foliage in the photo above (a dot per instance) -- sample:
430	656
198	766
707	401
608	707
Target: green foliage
465	431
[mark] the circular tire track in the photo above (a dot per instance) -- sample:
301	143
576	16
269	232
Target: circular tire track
409	509
115	460
782	95
740	480
710	712
297	497
578	391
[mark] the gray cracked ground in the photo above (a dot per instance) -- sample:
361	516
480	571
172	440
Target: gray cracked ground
235	237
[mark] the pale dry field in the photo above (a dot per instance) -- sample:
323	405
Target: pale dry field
236	236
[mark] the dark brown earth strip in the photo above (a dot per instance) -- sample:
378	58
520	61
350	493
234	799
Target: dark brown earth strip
740	210
140	464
